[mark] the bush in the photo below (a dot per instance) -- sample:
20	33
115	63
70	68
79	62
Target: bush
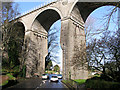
4	83
106	78
11	77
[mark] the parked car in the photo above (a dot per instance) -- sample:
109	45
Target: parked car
59	76
45	76
54	79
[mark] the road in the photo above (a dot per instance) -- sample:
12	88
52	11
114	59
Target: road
48	84
39	84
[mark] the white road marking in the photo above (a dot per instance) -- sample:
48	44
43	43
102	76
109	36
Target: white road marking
37	88
41	84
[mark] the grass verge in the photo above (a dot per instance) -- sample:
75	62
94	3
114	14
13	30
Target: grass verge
80	81
97	84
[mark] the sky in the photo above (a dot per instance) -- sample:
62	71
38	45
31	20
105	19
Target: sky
57	51
98	19
96	15
25	6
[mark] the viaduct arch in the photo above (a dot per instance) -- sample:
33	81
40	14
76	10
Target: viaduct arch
73	16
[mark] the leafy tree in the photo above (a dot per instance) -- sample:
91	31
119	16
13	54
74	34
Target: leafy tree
49	65
56	68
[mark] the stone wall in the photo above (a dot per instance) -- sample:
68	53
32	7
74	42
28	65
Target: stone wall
36	50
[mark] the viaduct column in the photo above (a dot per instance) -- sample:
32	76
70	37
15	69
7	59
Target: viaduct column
74	49
36	51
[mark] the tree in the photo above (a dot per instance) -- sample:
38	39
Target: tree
113	65
9	11
103	53
48	67
56	68
11	43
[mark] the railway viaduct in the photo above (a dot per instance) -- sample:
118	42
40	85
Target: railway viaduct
36	23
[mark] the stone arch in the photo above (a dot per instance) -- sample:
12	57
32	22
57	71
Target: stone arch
37	40
46	9
46	18
86	8
22	22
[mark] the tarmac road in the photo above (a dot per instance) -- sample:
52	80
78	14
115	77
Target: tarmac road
39	84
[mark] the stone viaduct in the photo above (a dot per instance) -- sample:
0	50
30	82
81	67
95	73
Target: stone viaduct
36	23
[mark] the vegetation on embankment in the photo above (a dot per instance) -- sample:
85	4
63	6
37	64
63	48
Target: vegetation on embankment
4	80
7	80
69	84
97	83
73	84
10	77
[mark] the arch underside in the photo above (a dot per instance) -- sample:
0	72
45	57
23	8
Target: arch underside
47	18
86	8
